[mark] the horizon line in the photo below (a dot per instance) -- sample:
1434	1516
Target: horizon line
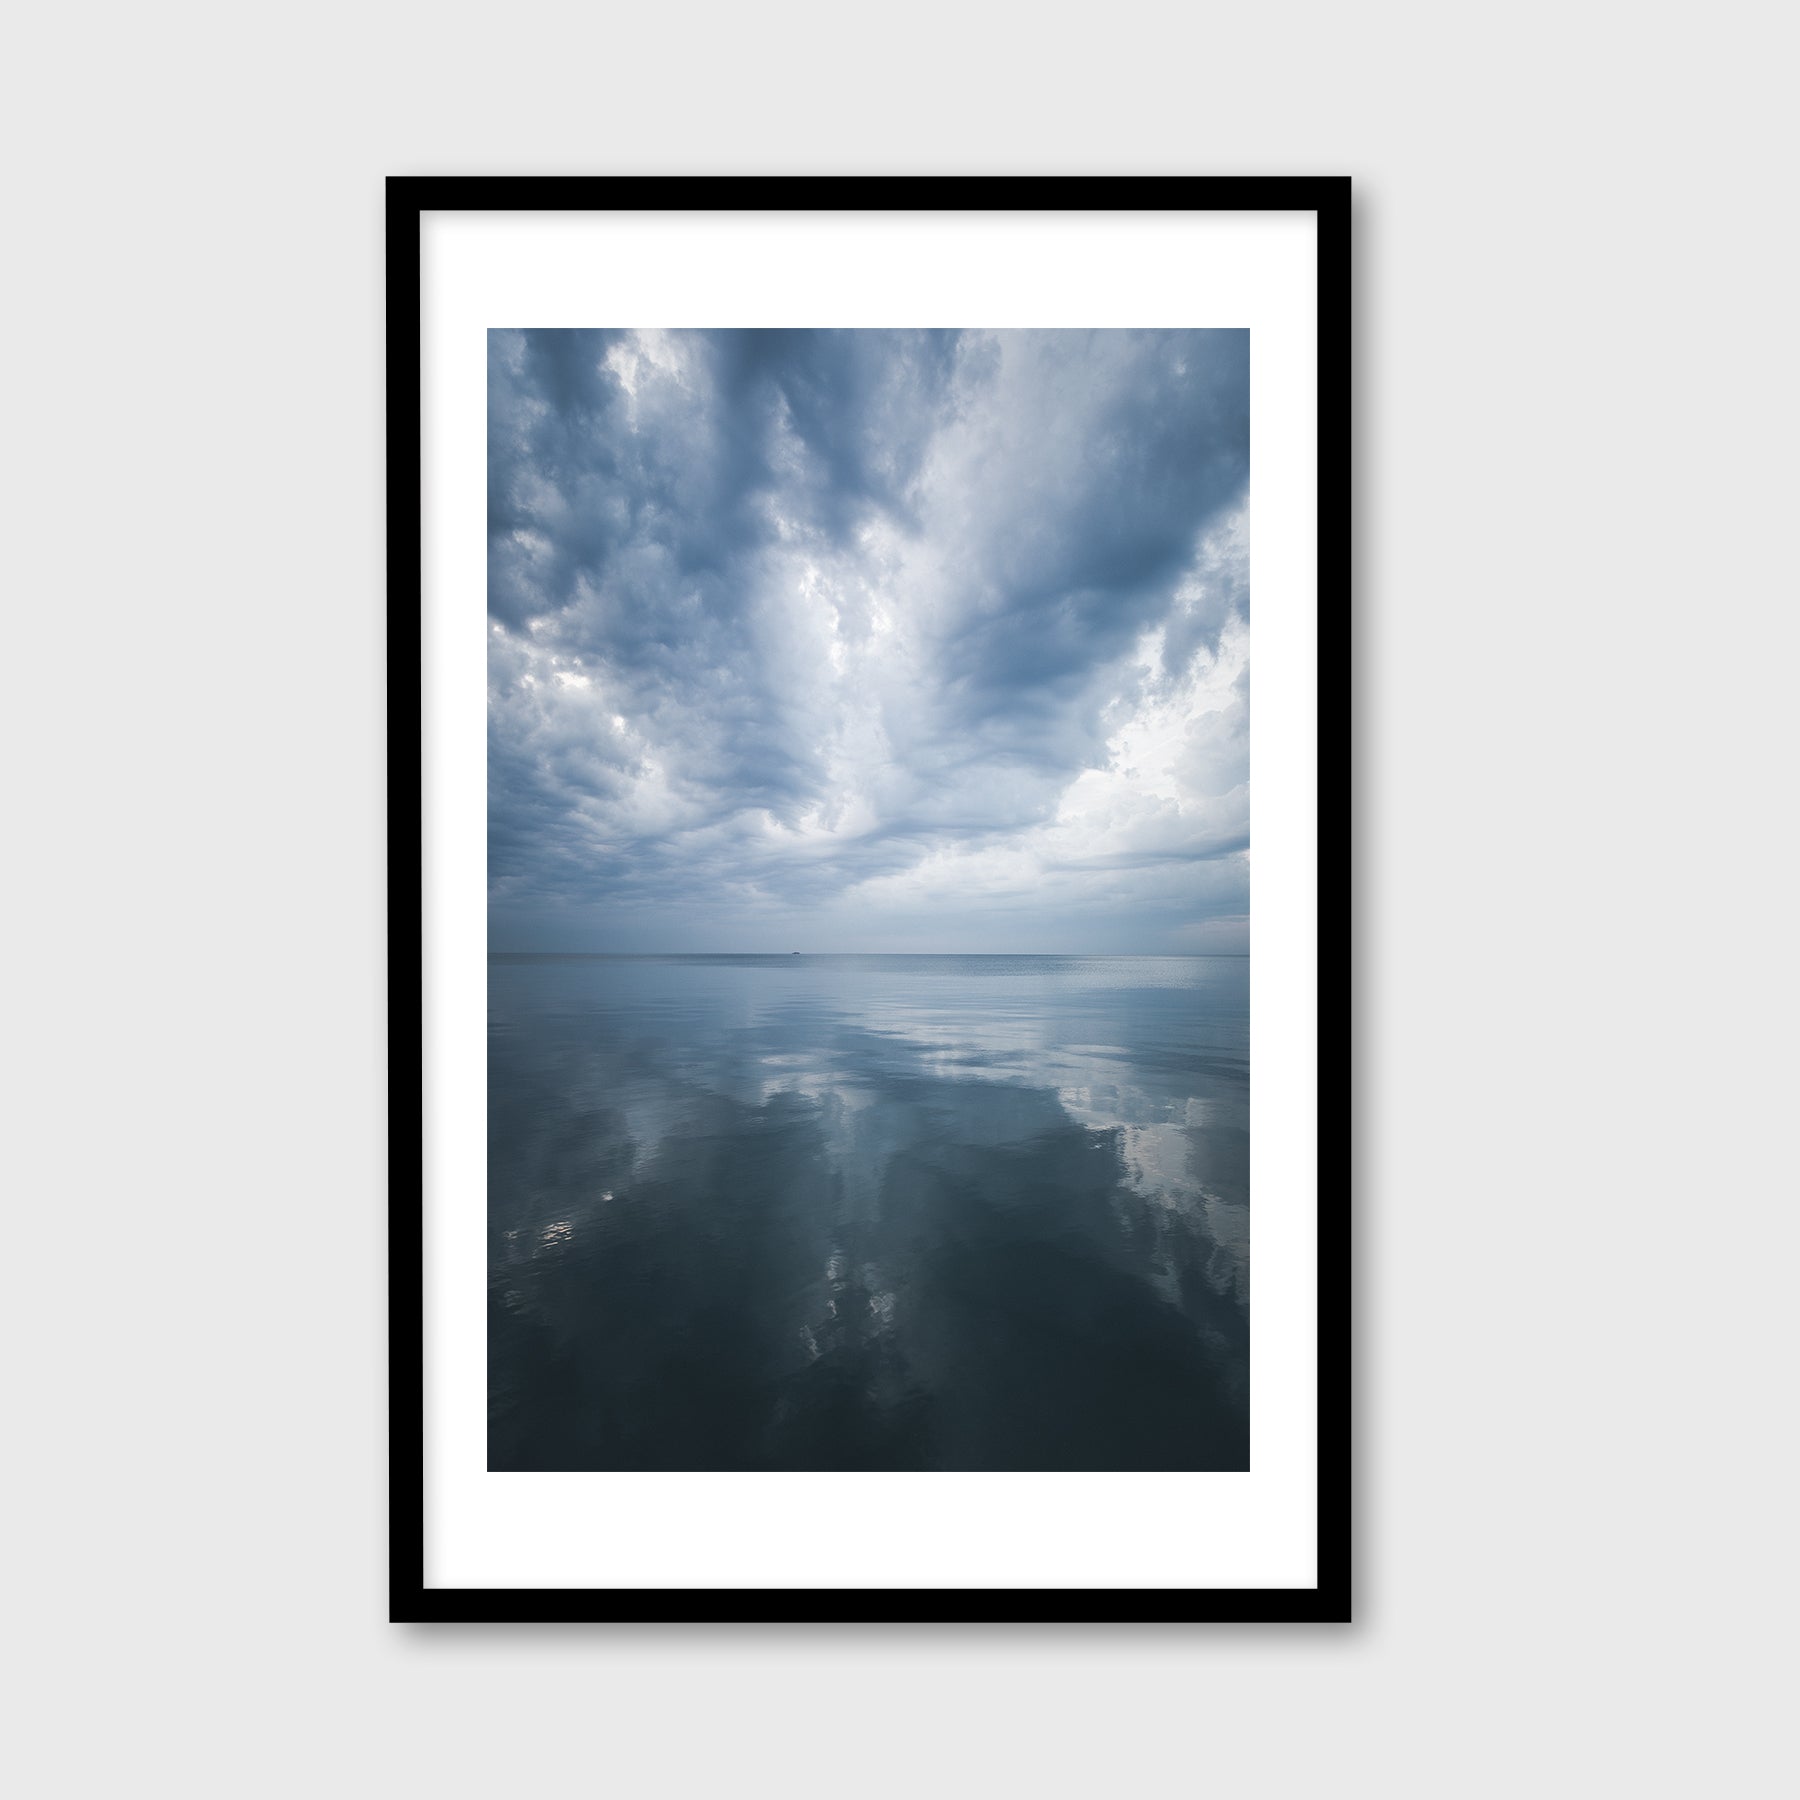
1232	955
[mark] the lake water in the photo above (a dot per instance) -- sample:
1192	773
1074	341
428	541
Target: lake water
871	1212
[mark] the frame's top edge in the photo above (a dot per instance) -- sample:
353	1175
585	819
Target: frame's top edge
938	193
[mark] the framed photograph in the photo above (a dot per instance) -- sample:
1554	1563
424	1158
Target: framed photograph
881	1149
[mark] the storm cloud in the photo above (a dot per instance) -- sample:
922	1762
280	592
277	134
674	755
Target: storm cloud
868	640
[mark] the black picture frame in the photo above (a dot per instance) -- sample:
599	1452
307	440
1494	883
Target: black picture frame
410	1599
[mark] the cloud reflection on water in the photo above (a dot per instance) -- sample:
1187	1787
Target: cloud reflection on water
869	1212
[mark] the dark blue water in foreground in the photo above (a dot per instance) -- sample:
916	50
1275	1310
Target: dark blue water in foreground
969	1212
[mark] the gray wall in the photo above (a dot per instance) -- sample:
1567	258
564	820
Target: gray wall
1573	938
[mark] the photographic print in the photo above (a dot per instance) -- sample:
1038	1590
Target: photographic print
869	864
877	1137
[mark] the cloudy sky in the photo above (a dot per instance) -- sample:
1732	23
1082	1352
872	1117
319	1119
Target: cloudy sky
868	640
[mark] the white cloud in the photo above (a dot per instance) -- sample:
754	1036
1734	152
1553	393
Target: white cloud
751	670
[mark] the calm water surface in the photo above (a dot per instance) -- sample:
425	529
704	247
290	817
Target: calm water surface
821	1212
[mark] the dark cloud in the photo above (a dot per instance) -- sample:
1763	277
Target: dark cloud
860	629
